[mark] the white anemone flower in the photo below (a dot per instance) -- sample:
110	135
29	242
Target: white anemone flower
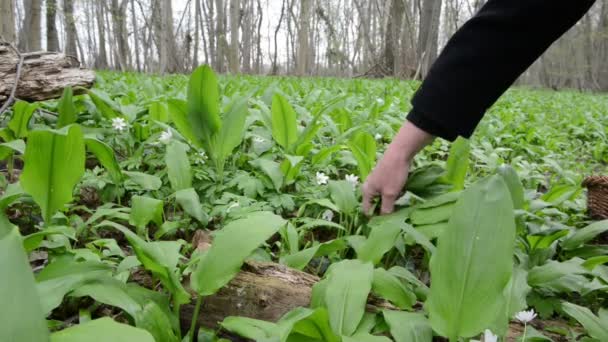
327	215
166	136
119	124
322	178
488	336
352	179
378	136
526	316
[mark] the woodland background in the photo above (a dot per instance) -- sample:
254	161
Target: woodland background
342	38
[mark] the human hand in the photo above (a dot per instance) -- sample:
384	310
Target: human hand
390	174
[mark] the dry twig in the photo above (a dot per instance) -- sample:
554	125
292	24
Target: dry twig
11	98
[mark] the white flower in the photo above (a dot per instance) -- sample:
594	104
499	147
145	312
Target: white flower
322	178
378	136
327	215
352	179
380	101
258	140
201	157
488	336
119	124
166	136
526	316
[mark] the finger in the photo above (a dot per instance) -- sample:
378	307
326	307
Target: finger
368	196
388	203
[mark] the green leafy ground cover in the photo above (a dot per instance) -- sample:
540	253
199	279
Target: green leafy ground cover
121	177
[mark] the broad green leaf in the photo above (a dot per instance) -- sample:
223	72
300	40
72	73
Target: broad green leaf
433	215
144	210
343	195
384	232
272	169
363	147
437	201
190	202
514	184
231	246
178	112
233	127
458	163
412	234
106	107
102	330
545	275
560	193
591	263
300	259
473	261
105	155
109	291
204	103
252	329
365	338
408	326
54	163
145	181
155	321
66	108
597	327
389	287
584	235
9	148
314	327
22	114
158	111
284	126
178	166
348	285
22	316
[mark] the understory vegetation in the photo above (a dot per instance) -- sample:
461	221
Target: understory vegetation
103	193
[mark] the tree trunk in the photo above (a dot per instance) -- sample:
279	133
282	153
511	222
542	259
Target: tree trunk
43	74
233	61
52	40
102	60
29	36
247	30
258	54
168	49
7	20
197	26
428	34
602	35
135	35
220	32
391	41
70	29
275	66
119	23
303	38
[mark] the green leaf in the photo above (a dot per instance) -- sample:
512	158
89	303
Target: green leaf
158	111
178	166
145	181
178	112
54	163
231	246
384	232
509	175
22	114
473	261
233	128
300	259
155	321
66	109
433	215
597	327
145	209
109	291
408	326
343	195
190	202
365	338
585	234
284	126
102	330
105	155
253	329
363	147
21	315
105	105
458	163
389	287
203	103
348	285
272	169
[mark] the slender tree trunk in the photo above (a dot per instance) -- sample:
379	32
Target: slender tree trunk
221	36
602	35
247	31
30	34
70	28
428	34
391	42
303	37
197	14
102	60
135	35
7	20
275	66
119	22
258	54
233	60
168	56
52	40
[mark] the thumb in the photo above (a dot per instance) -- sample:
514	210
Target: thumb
388	203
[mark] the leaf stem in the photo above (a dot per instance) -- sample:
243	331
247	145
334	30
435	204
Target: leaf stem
197	310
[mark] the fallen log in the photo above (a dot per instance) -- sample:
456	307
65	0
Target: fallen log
43	76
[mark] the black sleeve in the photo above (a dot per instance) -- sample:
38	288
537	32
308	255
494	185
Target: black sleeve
484	57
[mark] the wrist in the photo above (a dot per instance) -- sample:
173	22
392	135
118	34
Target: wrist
409	141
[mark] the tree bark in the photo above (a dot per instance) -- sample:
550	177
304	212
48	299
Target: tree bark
197	14
220	32
428	34
303	38
135	36
52	40
119	22
7	20
391	41
247	31
275	66
168	49
43	74
233	61
101	62
70	29
29	36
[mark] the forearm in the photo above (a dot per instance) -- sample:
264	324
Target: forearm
484	57
409	141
